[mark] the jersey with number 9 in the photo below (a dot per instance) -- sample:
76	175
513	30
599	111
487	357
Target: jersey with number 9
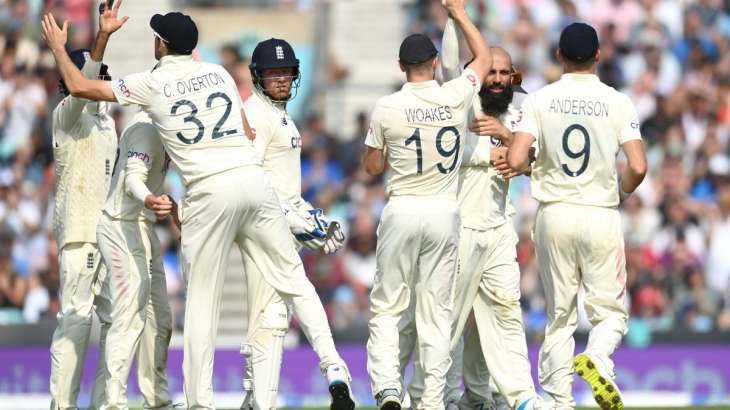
422	126
579	124
196	108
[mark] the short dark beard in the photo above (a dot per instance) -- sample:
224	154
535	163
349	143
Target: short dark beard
495	104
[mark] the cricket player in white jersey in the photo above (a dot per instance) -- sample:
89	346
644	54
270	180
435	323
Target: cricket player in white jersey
580	125
131	251
275	74
419	128
489	277
197	111
84	145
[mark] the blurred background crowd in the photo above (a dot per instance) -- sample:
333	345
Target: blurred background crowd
672	57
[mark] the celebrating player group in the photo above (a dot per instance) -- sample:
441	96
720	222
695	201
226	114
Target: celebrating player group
446	291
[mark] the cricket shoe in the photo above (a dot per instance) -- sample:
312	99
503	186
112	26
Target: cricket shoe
603	388
534	403
500	402
338	379
388	399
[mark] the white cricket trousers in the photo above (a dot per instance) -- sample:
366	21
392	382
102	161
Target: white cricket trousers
307	307
141	316
579	246
472	370
488	283
416	253
83	289
239	207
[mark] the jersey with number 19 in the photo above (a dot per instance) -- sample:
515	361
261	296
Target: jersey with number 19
196	109
422	125
579	124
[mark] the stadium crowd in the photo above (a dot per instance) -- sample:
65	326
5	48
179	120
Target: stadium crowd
671	57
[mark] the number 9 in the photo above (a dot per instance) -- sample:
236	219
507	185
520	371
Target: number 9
585	152
448	153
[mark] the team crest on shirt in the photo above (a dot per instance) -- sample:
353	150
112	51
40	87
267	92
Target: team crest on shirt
472	79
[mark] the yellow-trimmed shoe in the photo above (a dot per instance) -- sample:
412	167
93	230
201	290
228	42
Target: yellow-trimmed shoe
603	388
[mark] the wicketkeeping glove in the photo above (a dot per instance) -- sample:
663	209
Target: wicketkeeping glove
335	239
302	224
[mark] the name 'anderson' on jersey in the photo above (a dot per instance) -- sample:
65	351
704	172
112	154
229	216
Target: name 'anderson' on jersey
579	124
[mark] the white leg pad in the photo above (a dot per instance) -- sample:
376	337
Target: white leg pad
263	354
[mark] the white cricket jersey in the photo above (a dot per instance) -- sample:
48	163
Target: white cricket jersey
422	127
84	145
278	144
196	109
140	159
579	124
483	194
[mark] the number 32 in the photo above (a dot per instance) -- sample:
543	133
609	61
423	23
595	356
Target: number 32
217	133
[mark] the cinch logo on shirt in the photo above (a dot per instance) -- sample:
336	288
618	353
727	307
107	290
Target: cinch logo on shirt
141	155
123	88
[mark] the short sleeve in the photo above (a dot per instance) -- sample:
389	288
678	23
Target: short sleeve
375	137
466	85
526	120
67	113
629	126
260	124
134	89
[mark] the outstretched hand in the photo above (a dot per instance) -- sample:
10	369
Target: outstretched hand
109	22
54	36
452	5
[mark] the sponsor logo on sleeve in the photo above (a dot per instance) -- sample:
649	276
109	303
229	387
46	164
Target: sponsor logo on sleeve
139	155
123	88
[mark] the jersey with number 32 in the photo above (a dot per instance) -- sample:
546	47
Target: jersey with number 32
421	127
579	124
196	108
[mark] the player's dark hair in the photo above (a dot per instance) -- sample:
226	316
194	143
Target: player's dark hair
495	104
420	67
579	65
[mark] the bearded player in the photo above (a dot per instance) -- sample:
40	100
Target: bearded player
489	280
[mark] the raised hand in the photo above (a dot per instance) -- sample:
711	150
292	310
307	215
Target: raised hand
55	36
452	5
109	21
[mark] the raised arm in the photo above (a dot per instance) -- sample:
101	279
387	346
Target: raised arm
477	45
56	38
109	22
450	52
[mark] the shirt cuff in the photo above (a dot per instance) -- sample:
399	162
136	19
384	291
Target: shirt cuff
137	189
